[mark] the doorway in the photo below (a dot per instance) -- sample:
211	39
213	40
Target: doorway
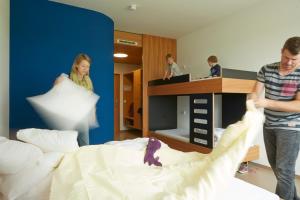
129	120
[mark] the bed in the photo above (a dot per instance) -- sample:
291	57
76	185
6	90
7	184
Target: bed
239	189
236	189
60	169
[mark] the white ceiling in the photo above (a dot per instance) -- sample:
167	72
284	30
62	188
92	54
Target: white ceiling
169	18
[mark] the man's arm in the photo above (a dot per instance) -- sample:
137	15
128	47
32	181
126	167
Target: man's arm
284	106
257	90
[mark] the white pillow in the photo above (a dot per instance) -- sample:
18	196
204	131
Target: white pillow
40	192
50	140
16	155
67	106
15	185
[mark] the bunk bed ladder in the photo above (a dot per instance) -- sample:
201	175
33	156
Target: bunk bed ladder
201	119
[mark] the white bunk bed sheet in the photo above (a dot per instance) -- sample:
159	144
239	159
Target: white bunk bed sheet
184	134
180	134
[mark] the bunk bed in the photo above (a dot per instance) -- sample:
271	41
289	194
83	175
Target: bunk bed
214	103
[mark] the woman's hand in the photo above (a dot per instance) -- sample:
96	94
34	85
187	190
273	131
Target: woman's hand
59	80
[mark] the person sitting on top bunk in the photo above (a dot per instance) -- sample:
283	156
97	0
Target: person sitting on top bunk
172	69
215	68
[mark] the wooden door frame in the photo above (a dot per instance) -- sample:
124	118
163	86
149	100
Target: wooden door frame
117	128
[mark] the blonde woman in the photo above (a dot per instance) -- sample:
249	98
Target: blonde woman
80	75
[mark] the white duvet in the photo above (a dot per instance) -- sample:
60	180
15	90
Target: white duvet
115	172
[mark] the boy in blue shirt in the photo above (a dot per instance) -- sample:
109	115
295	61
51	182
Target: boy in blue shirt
215	68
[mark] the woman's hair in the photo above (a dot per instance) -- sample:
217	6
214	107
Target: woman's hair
212	59
293	45
80	57
74	72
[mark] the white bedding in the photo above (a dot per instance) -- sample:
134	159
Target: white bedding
115	172
241	190
237	189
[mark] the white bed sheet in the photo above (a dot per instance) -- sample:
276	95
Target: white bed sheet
236	190
239	189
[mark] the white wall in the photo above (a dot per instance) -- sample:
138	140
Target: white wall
246	40
183	112
120	68
4	66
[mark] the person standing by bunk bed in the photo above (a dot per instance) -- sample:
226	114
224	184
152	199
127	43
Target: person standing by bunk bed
172	69
215	68
80	75
281	81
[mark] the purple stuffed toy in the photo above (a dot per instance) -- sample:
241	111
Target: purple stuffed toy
152	147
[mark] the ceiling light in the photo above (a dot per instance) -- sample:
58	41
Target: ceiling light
120	55
132	7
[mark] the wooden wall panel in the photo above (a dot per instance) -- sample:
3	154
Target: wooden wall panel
134	54
137	98
155	50
128	36
127	94
116	106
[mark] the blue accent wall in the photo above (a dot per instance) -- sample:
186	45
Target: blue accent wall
45	37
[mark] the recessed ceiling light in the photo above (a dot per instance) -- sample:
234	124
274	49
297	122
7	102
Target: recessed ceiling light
132	7
120	55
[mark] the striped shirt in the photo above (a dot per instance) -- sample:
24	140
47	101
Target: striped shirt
280	88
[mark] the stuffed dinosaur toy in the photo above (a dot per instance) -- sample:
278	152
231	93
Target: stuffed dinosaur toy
152	147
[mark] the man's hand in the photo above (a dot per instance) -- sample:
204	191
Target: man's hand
261	103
